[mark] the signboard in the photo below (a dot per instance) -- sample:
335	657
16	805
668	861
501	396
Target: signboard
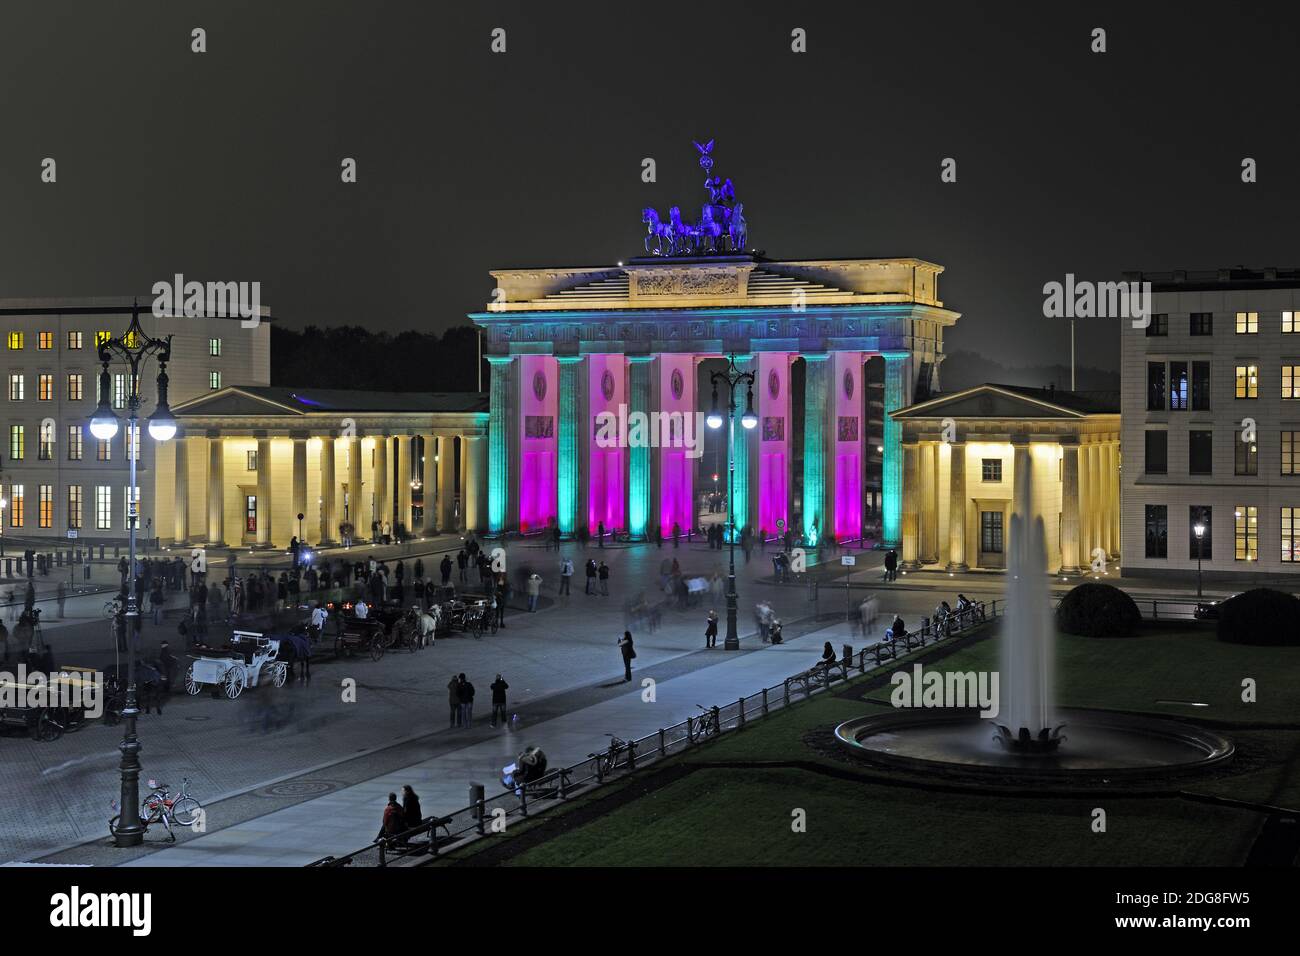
848	560
72	532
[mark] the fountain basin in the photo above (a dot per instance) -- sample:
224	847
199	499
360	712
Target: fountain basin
1098	743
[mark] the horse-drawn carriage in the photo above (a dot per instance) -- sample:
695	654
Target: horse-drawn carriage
249	660
359	635
49	708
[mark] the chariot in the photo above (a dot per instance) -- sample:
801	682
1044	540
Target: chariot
249	660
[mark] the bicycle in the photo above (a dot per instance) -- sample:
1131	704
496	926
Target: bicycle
709	725
112	609
160	806
608	761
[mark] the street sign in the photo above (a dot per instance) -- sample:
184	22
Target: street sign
72	532
848	560
780	524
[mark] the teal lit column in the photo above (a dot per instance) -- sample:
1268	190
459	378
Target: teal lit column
499	443
891	482
567	440
816	387
742	452
638	467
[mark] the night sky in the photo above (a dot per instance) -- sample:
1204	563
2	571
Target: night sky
225	165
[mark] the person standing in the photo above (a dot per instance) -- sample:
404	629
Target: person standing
534	591
891	565
629	654
600	534
604	578
499	688
156	600
462	565
591	576
566	574
453	698
466	695
444	568
711	630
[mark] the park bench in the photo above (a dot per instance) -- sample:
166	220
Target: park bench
821	674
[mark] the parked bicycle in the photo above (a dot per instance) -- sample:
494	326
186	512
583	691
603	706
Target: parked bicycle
709	724
164	807
608	761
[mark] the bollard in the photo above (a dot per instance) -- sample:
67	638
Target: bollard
631	755
600	770
58	559
785	691
740	718
663	749
764	701
433	836
382	859
690	735
476	792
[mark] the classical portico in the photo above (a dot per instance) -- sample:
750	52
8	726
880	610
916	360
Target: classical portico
579	356
248	460
964	455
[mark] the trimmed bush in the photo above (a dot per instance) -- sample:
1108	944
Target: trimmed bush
1261	616
1094	609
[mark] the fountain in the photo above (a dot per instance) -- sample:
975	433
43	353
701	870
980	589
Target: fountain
1030	736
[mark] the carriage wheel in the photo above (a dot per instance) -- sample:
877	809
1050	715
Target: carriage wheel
234	682
376	650
46	728
280	673
192	687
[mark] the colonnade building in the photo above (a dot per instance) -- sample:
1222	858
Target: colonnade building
572	349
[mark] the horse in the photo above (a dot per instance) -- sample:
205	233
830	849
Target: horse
655	229
684	237
710	230
737	228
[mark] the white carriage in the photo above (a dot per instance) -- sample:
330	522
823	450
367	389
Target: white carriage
249	660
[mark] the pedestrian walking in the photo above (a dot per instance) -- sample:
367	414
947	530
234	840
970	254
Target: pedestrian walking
566	574
603	573
462	566
629	654
534	591
444	568
499	688
453	698
711	630
466	694
891	565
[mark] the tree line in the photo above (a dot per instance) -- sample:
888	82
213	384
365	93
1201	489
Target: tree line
350	356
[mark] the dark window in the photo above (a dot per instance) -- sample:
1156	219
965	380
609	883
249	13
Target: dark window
1178	386
1200	453
1157	452
991	532
991	469
1245	458
252	460
1155	386
1202	323
1159	324
1200	386
1200	514
1157	531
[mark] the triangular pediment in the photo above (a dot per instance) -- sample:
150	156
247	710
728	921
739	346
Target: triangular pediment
234	401
987	401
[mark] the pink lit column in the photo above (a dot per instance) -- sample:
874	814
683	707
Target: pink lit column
539	387
847	443
607	475
774	461
679	439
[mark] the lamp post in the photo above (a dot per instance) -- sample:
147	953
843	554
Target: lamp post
1199	530
731	376
133	347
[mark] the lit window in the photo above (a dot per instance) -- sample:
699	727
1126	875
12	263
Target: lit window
101	337
45	504
44	340
17	442
214	347
1247	323
74	386
1245	520
45	387
103	449
214	380
74	443
252	460
1247	381
1290	381
1291	453
103	507
15	386
15	341
74	506
74	340
1290	535
126	495
131	447
1290	322
121	384
1247	458
16	506
991	469
46	450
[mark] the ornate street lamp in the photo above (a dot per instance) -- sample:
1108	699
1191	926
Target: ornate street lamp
732	377
1199	530
132	347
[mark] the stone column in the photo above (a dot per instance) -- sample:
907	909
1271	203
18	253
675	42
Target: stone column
957	507
1070	554
745	450
816	387
402	488
500	454
355	513
640	487
216	492
264	493
911	507
474	455
1021	475
568	436
930	503
1096	499
328	513
298	485
897	376
181	503
383	495
1112	486
447	483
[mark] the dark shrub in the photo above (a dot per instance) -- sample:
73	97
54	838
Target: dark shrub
1261	616
1098	610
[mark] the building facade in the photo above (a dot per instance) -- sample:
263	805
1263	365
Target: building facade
572	349
248	460
55	476
965	454
1211	405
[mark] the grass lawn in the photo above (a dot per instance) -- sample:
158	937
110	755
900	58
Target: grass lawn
741	816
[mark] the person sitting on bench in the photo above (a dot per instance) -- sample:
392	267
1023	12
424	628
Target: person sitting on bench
828	654
897	630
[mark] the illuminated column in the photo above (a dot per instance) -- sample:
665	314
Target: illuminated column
1112	483
896	375
910	506
447	483
181	504
216	491
814	442
299	486
845	444
568	433
606	421
1103	510
473	454
264	493
1095	498
743	452
1070	506
1021	475
328	520
775	435
929	503
402	490
639	487
355	513
383	497
957	506
499	453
